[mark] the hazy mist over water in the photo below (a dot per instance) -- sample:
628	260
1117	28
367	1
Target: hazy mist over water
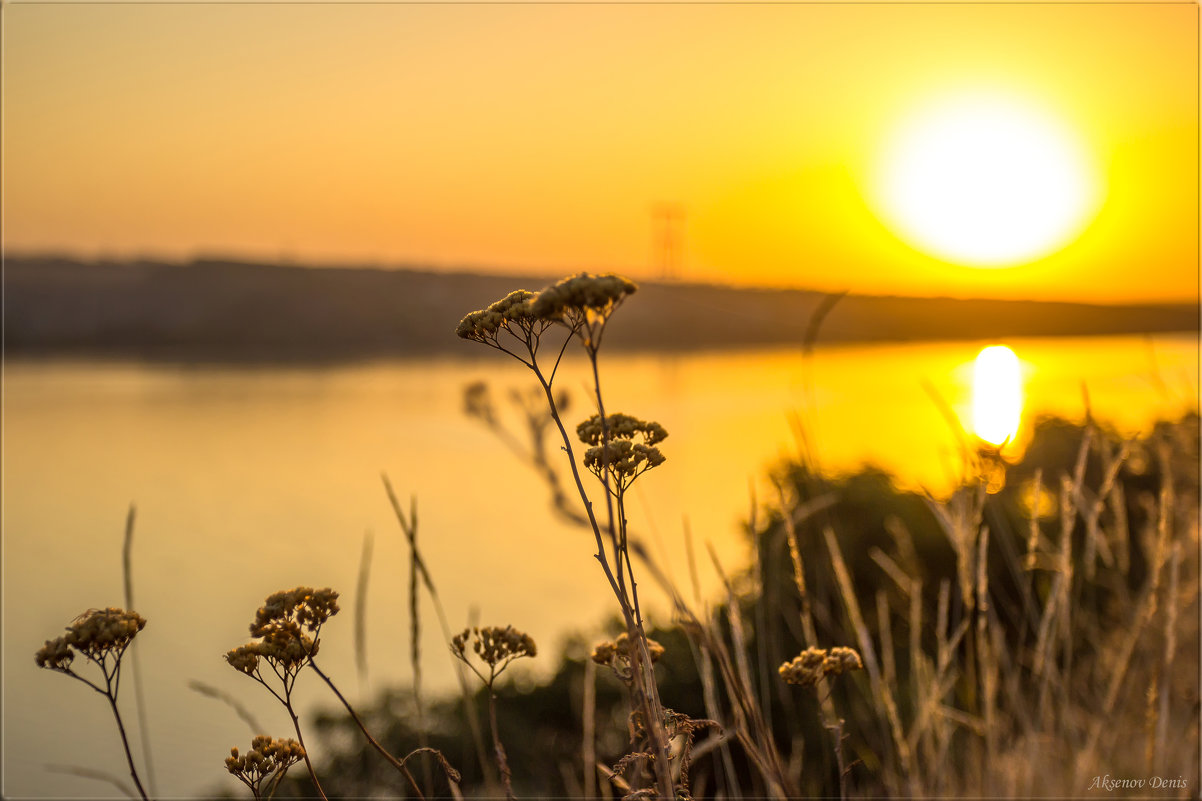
249	480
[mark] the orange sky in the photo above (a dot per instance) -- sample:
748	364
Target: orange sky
540	137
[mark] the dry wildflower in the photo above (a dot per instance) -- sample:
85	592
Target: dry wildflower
620	426
586	293
102	636
840	660
583	303
244	658
303	605
815	663
97	634
495	646
281	624
511	314
263	767
616	654
628	452
56	654
287	626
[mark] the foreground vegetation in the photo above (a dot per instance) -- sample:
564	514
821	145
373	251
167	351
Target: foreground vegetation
1002	657
1033	634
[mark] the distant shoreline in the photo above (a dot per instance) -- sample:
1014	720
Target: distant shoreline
236	312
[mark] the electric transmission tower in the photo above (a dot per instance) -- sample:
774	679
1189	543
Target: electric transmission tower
668	221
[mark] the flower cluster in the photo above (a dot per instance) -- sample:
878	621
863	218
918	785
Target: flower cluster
96	634
285	647
281	625
616	653
629	450
815	663
511	313
620	426
267	760
304	605
593	296
495	646
582	303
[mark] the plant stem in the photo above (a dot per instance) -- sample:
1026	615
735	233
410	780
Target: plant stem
300	738
588	505
836	730
397	763
125	742
498	749
644	683
642	669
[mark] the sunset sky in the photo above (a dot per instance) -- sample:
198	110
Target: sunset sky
539	138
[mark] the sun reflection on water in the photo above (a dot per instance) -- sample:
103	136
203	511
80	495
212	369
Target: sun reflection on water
997	395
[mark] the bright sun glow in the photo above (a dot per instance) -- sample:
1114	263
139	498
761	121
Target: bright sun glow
997	394
985	181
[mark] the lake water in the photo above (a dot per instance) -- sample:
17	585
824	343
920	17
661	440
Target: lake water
252	479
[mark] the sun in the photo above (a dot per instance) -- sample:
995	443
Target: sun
985	180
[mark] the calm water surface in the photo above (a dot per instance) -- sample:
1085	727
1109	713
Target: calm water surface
252	479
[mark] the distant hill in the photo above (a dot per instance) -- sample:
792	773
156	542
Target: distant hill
219	310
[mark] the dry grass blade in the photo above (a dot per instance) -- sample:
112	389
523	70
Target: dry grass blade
867	649
691	560
589	725
418	568
791	517
709	694
885	624
1170	652
735	618
92	773
891	568
360	629
127	574
1096	544
952	420
748	725
613	778
1033	538
987	668
230	701
447	768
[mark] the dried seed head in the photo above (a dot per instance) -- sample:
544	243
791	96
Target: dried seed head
511	313
281	625
56	654
840	660
627	453
805	669
620	426
303	605
815	663
585	293
617	653
266	759
97	634
459	641
495	647
244	658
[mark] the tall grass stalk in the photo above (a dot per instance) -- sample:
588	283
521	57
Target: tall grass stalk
360	627
127	576
417	568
